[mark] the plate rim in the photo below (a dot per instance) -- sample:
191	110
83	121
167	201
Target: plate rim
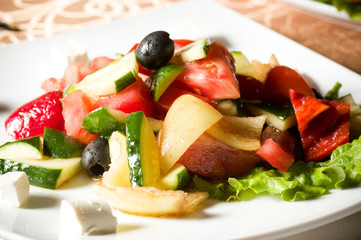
227	9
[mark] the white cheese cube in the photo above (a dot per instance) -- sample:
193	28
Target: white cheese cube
64	53
14	188
186	29
86	217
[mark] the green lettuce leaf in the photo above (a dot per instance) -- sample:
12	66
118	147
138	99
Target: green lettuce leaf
348	158
216	189
302	181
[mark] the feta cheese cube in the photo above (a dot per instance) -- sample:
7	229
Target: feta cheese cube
65	53
86	217
186	29
14	188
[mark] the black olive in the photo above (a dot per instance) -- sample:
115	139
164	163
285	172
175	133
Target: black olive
155	50
95	158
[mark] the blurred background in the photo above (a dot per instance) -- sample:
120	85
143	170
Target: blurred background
313	24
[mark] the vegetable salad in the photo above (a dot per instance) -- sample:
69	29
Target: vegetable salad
172	122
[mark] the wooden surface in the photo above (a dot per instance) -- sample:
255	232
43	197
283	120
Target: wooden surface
47	17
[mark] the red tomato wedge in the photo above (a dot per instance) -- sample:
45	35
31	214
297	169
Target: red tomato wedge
76	105
179	43
169	96
250	88
30	119
73	74
307	108
212	76
324	132
212	159
275	155
100	62
172	93
284	139
135	97
52	84
279	80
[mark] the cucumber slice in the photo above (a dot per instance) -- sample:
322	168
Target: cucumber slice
177	178
191	52
112	78
104	121
228	107
118	173
142	151
28	148
69	89
50	173
280	117
354	107
355	116
160	80
243	66
59	145
254	69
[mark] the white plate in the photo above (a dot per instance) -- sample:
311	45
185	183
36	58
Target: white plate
327	12
24	66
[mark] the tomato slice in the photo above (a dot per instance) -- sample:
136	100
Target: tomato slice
100	62
76	105
210	158
169	96
73	74
284	139
324	132
275	155
212	76
30	119
135	97
179	43
172	93
250	88
279	80
52	84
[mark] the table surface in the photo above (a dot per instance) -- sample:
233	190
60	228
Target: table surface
47	17
336	41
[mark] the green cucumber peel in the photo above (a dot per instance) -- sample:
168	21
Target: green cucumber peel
69	89
59	145
160	80
102	122
27	148
124	81
282	112
133	133
38	176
